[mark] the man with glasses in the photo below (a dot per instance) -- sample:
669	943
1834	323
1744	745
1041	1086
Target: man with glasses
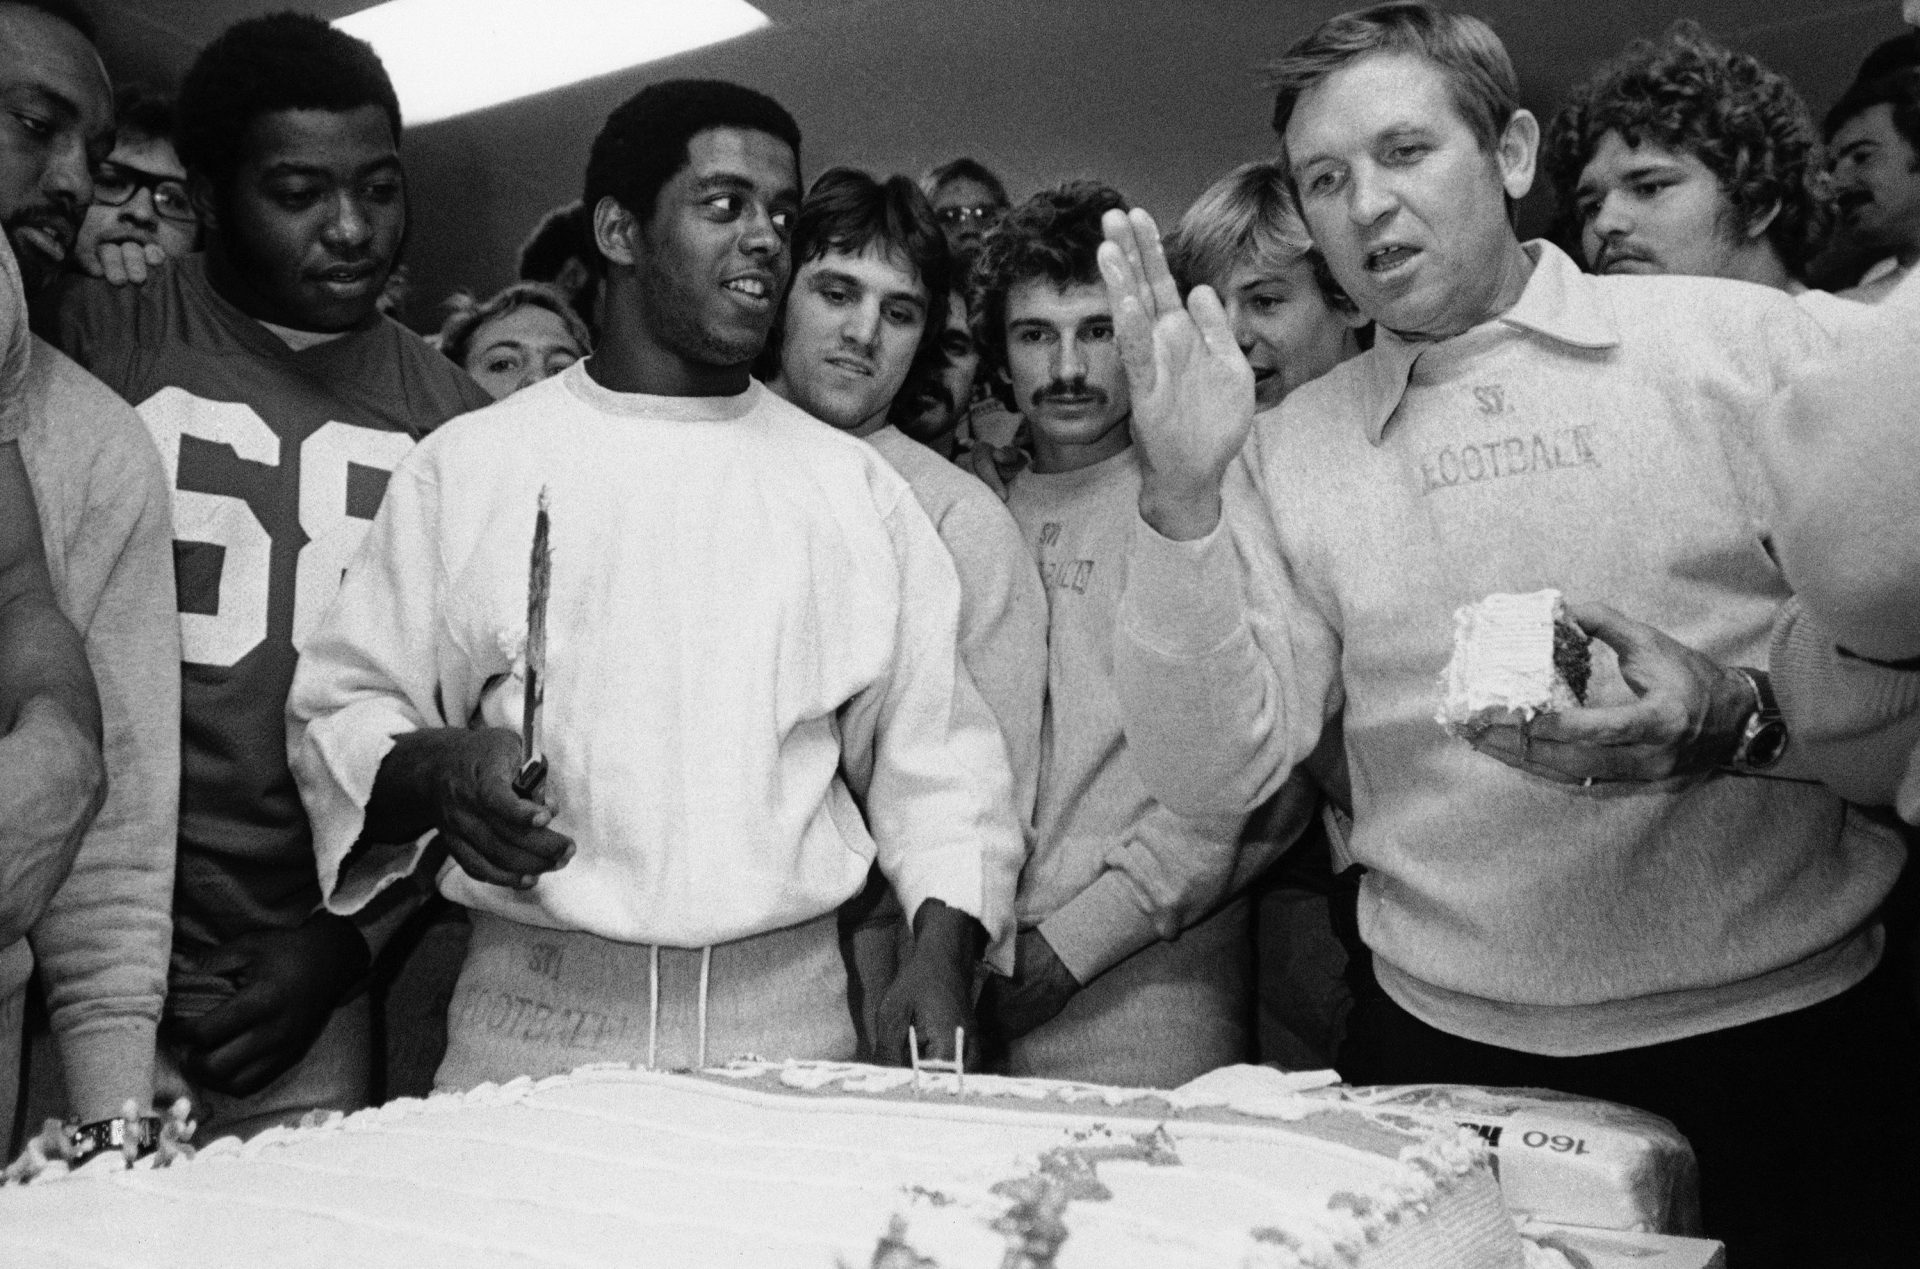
140	217
968	199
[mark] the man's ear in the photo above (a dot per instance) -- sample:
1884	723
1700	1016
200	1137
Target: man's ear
206	205
1517	152
616	233
1762	222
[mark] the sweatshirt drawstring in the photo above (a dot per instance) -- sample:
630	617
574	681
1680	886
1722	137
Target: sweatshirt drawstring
653	1004
706	963
653	1007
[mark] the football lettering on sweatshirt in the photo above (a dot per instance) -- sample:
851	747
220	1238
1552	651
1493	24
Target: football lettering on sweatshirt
1509	456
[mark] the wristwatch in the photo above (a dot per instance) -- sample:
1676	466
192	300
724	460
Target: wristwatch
102	1135
1765	738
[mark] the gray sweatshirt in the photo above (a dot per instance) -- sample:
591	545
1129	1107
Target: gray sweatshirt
1597	437
103	943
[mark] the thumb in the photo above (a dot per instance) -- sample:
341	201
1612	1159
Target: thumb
1611	626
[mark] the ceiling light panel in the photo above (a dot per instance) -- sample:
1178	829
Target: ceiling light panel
452	57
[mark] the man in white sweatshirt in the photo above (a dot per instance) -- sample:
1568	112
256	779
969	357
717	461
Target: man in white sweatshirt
752	688
1687	932
873	275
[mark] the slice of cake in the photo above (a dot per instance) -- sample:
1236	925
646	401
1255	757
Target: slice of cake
1514	657
801	1164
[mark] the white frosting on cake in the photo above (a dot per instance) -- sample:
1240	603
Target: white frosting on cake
797	1164
1502	665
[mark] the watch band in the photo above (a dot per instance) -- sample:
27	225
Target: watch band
102	1135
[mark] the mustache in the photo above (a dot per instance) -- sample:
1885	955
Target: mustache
1609	255
1069	390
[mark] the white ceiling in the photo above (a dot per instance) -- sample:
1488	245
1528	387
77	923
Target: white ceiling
1155	97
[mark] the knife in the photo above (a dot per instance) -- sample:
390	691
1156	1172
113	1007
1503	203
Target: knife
533	768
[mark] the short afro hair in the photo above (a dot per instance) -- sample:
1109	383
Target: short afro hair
851	211
283	61
643	143
1054	235
1690	94
141	114
563	234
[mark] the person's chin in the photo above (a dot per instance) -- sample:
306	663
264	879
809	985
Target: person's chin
37	268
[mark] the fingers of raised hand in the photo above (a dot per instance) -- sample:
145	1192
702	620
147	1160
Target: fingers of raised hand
1153	261
1133	331
1121	267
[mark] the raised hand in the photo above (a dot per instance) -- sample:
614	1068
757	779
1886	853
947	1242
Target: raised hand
1192	388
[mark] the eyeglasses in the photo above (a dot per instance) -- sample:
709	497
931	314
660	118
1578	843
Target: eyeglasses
954	217
115	184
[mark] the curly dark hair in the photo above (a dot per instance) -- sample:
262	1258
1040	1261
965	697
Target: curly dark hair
1688	93
1053	235
643	143
283	61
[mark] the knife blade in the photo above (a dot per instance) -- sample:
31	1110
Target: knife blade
533	767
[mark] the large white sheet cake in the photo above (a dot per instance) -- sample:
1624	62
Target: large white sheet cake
796	1164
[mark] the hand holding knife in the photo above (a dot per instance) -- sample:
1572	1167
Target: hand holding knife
533	768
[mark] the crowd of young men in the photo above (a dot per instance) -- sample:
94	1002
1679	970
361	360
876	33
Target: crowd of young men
947	611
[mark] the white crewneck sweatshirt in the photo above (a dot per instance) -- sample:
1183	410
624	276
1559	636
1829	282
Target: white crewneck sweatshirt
751	641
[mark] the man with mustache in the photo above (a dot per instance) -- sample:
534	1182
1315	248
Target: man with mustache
753	689
1103	989
932	405
859	320
280	401
1626	899
1683	156
1873	133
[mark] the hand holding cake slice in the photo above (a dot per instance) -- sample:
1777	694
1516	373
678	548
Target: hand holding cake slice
1514	657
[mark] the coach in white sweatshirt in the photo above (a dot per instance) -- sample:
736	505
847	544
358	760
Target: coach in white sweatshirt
753	689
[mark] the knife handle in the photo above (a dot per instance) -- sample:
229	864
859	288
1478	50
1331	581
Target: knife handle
532	776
